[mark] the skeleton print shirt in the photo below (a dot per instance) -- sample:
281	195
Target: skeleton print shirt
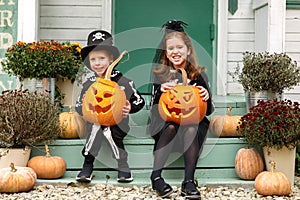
132	95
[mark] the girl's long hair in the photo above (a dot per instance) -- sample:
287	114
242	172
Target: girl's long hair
163	68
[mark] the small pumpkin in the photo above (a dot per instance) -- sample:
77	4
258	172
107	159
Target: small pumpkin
48	167
104	100
182	104
225	126
248	163
271	183
73	125
17	179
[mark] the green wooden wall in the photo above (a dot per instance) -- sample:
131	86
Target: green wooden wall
137	29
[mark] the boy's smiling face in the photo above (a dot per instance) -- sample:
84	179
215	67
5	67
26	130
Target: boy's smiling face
99	61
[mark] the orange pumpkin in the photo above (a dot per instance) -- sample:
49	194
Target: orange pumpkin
17	179
272	183
48	167
104	100
182	104
73	125
224	126
248	163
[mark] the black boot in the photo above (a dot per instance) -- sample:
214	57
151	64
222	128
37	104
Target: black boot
189	190
124	174
161	187
85	175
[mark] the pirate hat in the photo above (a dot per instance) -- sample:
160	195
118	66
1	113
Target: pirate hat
99	40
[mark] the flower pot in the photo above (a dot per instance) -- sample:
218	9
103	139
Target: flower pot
66	88
284	159
40	85
253	97
18	156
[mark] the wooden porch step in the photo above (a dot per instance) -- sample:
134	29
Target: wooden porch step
101	177
217	153
215	166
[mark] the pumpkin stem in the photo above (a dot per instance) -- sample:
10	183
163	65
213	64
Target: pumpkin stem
12	166
70	107
47	150
113	64
229	109
273	164
184	76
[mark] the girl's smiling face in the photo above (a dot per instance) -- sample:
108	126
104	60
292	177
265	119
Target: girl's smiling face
177	52
99	61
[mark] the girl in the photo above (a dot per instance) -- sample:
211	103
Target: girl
176	51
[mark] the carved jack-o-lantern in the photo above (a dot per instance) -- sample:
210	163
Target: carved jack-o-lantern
104	100
182	104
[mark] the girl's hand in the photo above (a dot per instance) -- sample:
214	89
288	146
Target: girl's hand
126	109
203	93
168	85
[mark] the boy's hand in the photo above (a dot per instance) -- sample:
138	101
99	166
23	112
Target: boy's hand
126	109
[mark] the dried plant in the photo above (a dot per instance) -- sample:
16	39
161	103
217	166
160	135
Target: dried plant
27	118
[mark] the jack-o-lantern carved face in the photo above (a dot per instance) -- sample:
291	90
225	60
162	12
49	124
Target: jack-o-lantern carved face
182	105
103	103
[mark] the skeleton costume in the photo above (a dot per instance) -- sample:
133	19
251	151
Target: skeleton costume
119	131
114	135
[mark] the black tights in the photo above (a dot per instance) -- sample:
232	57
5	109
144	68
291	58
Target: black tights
164	148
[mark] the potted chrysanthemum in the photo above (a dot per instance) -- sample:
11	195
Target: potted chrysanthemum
266	76
43	59
39	65
274	125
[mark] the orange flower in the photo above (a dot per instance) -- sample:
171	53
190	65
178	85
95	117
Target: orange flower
43	59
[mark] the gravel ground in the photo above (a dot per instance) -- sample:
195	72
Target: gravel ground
74	191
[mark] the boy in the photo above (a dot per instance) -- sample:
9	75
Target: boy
97	56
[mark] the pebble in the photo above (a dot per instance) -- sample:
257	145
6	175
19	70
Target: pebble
134	192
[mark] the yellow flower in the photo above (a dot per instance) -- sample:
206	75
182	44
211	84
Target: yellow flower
78	46
78	49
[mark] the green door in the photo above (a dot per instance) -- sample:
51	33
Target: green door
137	29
